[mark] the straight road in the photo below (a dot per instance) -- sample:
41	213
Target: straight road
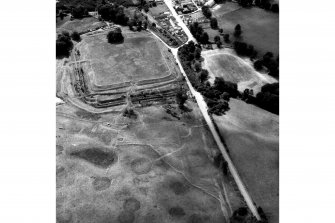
203	108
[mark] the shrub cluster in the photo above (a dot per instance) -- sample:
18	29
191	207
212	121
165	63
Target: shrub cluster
63	45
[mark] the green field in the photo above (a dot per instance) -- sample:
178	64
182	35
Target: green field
259	27
137	58
252	137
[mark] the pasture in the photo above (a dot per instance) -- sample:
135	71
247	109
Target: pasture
156	168
259	27
252	137
138	58
224	63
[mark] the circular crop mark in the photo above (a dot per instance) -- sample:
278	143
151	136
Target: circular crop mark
179	187
131	204
126	217
177	211
141	166
101	183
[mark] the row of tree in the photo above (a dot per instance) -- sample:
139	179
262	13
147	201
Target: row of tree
267	99
216	96
265	4
114	13
270	63
198	32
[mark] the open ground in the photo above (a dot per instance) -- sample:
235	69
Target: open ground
153	168
225	63
137	58
80	25
252	137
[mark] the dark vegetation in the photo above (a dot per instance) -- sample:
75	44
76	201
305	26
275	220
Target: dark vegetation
242	215
115	36
270	63
238	30
198	33
75	36
64	45
206	11
267	99
243	49
130	113
114	13
217	95
266	4
181	97
96	156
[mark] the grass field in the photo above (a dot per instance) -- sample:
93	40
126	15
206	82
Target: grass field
81	25
259	27
137	58
155	169
224	63
155	11
252	137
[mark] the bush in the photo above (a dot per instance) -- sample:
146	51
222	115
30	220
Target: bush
206	11
79	12
258	65
63	45
115	36
214	23
75	36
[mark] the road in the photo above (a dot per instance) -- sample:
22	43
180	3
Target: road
203	108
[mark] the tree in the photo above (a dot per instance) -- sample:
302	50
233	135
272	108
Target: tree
131	24
220	30
226	38
258	64
218	42
146	8
204	38
115	36
203	76
206	11
216	39
197	53
75	36
181	97
63	45
238	30
214	23
275	8
79	12
197	66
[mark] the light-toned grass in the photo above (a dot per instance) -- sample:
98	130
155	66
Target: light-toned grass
81	25
138	58
223	63
251	135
